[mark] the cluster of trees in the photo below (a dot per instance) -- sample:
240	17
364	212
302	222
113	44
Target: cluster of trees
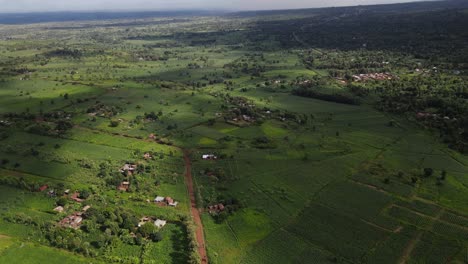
336	97
69	53
263	142
103	110
436	102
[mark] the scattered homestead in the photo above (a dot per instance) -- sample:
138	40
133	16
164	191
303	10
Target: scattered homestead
165	201
147	156
74	220
124	186
216	209
373	76
128	169
158	223
75	197
159	199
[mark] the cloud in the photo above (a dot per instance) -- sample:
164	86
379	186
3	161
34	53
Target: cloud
91	5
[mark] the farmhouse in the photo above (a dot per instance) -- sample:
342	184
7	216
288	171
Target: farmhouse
160	223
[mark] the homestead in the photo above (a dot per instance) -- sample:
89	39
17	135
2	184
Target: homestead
76	197
216	209
124	186
147	156
59	209
159	199
128	169
158	222
166	201
373	76
72	221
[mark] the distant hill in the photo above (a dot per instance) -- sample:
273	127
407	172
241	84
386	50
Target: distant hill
386	8
30	18
43	17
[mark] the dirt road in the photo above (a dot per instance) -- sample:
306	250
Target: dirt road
194	210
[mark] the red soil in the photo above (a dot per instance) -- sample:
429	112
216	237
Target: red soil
195	212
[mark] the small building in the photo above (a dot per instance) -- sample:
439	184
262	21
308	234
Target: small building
67	191
216	209
128	169
147	156
144	220
86	208
75	197
169	200
43	188
174	204
209	157
124	186
159	199
59	209
72	221
160	223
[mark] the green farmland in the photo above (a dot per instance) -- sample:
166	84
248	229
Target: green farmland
274	137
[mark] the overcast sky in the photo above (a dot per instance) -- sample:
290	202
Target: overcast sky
7	6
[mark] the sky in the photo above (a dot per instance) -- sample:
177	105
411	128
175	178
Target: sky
8	6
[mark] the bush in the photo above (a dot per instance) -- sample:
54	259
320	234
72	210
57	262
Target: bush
114	123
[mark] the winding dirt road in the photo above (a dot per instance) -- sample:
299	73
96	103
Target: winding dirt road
194	210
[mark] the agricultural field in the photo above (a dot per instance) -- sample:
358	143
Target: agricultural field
243	136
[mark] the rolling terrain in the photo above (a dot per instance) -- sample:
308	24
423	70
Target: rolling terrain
312	136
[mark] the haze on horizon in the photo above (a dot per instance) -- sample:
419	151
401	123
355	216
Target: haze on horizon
22	6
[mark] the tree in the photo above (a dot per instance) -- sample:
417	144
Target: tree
443	174
62	201
147	229
114	123
428	172
84	194
156	237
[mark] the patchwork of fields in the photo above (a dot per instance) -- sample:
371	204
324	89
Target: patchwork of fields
299	180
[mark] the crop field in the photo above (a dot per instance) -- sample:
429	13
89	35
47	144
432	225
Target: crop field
293	158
